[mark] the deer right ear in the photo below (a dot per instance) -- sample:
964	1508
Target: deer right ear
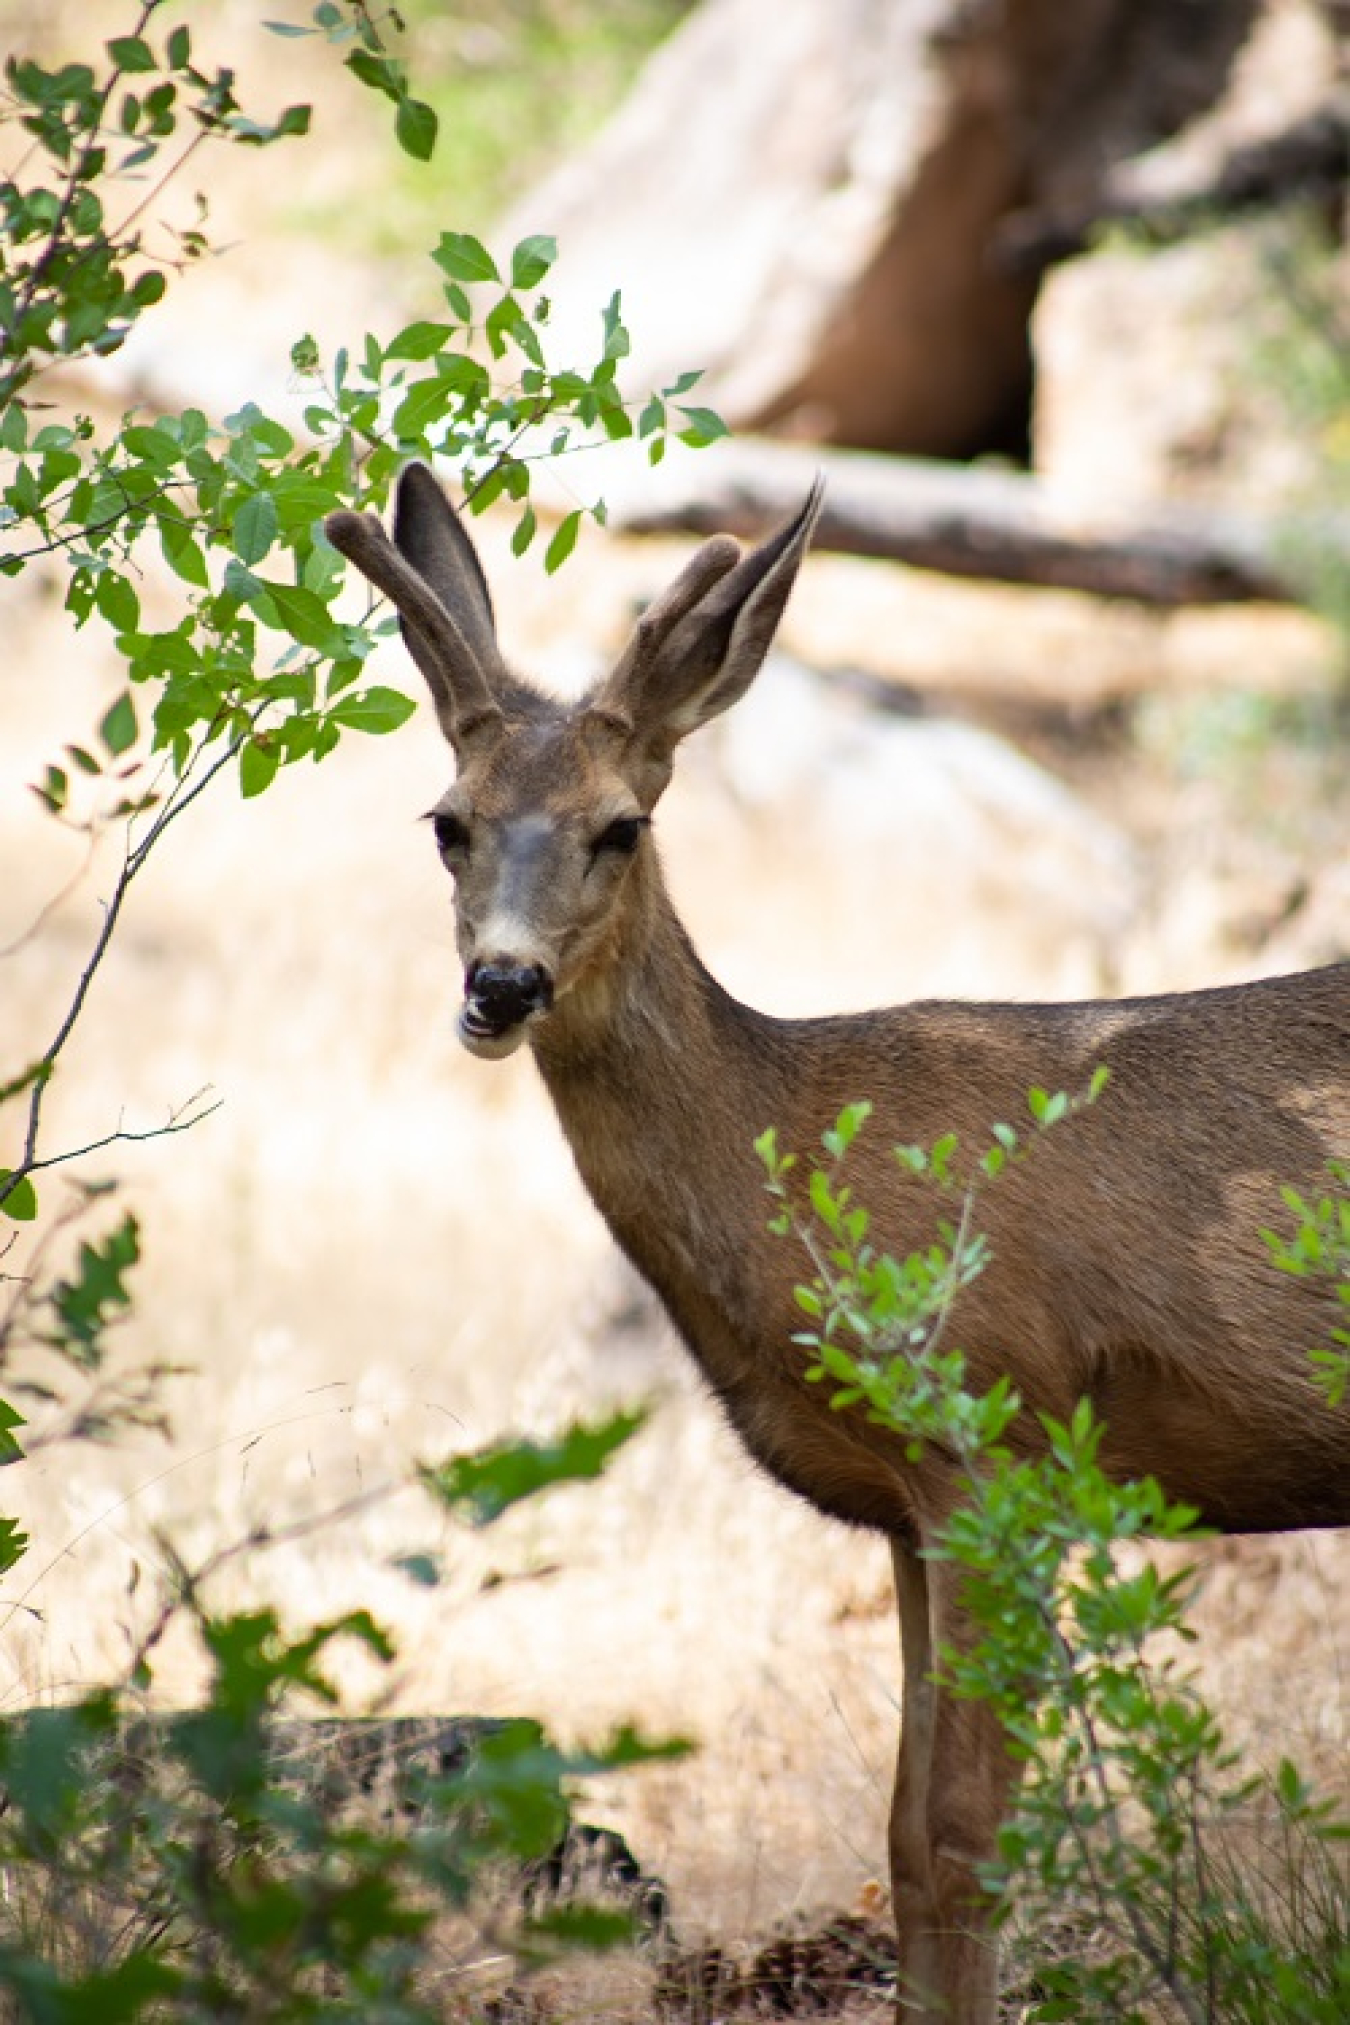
431	573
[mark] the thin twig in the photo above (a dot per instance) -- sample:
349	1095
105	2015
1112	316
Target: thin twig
123	1135
51	906
134	858
196	1456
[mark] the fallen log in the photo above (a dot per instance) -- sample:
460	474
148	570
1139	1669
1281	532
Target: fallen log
968	521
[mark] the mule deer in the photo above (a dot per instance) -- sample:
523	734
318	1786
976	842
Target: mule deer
1126	1264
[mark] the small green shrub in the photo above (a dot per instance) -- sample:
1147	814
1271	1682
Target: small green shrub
1132	1807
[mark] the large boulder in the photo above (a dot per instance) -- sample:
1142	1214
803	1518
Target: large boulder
1151	382
803	199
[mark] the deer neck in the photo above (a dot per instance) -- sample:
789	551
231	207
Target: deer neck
662	1082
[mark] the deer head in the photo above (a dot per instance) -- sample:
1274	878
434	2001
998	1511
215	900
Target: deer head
545	827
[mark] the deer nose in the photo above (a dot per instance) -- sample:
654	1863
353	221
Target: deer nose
504	993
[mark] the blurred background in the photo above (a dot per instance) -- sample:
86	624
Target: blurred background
1060	300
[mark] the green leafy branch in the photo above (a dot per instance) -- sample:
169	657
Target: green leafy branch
355	27
66	282
263	669
1320	1248
260	669
226	1873
72	281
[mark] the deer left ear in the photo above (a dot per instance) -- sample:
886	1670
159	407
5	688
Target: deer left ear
431	535
701	646
434	578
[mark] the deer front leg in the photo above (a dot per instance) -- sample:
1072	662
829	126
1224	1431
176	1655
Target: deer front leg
954	1782
911	1860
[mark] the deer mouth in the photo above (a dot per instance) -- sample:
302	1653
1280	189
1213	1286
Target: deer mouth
491	1039
500	1000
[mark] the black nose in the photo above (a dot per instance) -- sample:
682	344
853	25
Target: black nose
502	994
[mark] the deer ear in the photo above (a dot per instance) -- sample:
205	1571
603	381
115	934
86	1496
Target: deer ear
431	535
698	648
432	575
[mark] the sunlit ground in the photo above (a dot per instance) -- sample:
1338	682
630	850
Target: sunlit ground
376	1250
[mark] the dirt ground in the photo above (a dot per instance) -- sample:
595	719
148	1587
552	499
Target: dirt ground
376	1250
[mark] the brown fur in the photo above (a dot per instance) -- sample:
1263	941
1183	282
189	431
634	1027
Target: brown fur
1126	1266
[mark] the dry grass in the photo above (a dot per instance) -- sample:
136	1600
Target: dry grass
378	1250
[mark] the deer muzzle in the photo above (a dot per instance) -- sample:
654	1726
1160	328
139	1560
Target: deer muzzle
500	999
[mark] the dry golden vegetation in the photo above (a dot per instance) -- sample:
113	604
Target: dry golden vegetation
376	1249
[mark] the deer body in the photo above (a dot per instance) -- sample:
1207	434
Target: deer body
1125	1268
1163	1314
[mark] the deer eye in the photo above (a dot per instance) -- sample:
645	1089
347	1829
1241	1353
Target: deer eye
451	834
621	835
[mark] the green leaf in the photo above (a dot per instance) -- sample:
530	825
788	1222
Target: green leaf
116	598
702	425
415	127
182	554
493	1479
380	73
625	1748
419	1568
193	429
846	1128
54	793
270	436
306	617
617	341
585	1926
18	1199
524	533
119	728
420	341
258	765
532	259
374	710
465	258
424	403
11	1448
85	1305
255	527
130	53
122	1995
564	540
